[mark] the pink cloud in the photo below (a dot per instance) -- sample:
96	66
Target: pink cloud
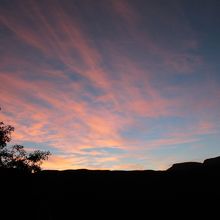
92	124
75	40
55	111
58	125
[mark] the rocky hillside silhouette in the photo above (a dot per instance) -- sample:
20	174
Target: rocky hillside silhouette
48	190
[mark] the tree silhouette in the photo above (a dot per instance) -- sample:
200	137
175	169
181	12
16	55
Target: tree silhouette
16	156
5	134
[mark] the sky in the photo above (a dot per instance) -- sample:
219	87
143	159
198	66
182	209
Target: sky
112	84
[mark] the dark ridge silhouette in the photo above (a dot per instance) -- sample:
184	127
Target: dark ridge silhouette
53	192
186	166
213	163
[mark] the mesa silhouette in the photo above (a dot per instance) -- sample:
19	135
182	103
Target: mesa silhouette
189	180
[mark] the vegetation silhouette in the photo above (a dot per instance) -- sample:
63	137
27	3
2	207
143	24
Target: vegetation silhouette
16	156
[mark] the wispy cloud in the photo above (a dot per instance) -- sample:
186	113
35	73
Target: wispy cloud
91	95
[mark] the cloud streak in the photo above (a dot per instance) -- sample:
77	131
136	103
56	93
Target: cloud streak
84	95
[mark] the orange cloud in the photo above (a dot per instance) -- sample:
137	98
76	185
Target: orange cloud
60	163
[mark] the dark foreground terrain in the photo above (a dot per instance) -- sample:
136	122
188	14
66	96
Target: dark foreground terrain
45	192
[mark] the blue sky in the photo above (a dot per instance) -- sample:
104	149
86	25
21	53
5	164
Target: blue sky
115	84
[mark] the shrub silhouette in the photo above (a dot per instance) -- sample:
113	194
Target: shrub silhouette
16	156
